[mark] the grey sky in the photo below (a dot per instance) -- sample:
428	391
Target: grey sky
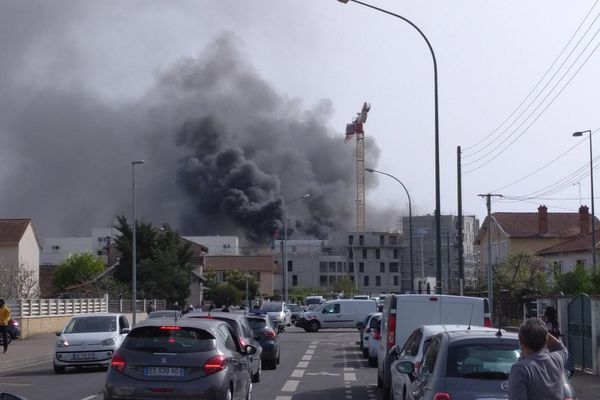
93	75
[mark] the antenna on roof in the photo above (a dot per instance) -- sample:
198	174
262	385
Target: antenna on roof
471	316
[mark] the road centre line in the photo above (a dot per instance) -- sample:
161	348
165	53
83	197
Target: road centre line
297	373
310	351
302	364
90	397
283	398
290	386
306	357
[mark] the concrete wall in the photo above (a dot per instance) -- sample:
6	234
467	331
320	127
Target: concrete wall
51	324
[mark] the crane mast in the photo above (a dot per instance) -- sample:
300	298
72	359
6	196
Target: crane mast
356	129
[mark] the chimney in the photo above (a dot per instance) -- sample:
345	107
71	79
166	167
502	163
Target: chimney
584	220
542	219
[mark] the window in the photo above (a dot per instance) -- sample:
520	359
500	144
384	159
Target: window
396	280
332	280
381	240
411	347
378	280
381	267
350	267
331	266
55	247
322	266
350	254
495	359
339	267
99	253
361	240
377	254
366	280
364	254
290	265
99	240
393	267
323	280
294	280
395	254
361	267
293	249
226	246
393	240
332	308
430	357
350	240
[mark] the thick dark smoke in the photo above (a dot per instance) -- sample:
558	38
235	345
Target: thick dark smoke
222	148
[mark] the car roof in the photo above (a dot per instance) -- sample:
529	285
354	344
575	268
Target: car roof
483	333
220	314
210	325
429	330
101	314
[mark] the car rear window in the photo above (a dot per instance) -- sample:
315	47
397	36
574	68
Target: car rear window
92	324
169	339
272	307
257	323
482	360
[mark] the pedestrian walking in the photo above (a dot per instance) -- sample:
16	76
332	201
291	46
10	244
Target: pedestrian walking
151	307
539	372
4	319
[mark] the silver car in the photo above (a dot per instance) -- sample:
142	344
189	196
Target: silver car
278	312
89	340
185	359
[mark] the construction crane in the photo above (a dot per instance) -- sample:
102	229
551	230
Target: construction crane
356	129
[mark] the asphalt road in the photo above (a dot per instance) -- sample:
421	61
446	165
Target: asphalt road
317	366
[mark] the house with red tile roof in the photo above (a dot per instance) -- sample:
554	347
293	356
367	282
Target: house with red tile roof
19	251
564	256
515	232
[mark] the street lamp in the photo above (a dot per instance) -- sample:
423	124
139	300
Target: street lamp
133	244
438	234
412	268
578	134
285	283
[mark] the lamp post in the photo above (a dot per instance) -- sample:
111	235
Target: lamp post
578	134
133	243
285	267
412	268
438	234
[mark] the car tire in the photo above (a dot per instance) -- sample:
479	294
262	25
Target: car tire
314	325
59	369
256	376
379	382
278	358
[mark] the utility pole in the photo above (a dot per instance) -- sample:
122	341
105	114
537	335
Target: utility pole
461	261
490	275
448	258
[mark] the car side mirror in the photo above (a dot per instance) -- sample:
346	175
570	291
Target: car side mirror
57	334
125	330
249	349
405	367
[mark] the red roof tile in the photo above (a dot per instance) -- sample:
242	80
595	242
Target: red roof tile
12	230
576	244
526	224
240	263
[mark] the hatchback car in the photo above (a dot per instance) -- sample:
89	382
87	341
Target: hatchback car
89	340
373	343
243	331
267	337
279	313
188	358
469	364
165	314
364	329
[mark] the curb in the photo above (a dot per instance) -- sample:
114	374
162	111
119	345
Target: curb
27	362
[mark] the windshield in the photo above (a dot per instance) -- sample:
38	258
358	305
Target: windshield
271	307
482	360
92	324
314	300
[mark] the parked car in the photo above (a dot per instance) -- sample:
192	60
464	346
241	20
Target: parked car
278	312
373	343
243	331
296	310
314	300
469	364
363	330
89	340
190	358
268	337
413	350
336	314
165	314
403	313
13	330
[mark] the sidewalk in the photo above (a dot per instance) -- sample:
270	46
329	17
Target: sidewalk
587	386
34	350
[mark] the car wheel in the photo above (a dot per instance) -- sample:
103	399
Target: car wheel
379	382
314	325
278	357
58	369
256	376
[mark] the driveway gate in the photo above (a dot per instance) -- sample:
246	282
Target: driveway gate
580	332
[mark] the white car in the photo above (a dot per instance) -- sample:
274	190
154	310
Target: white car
89	340
279	313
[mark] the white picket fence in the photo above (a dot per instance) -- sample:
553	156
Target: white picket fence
27	308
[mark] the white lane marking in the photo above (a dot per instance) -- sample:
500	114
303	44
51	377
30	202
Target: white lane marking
310	351
89	397
290	386
283	398
351	369
297	373
306	358
349	376
302	364
323	373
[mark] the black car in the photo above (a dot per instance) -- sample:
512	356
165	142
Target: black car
188	358
267	335
242	329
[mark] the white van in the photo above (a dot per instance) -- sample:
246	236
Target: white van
336	314
404	313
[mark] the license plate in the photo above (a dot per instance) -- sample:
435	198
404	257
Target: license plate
84	356
163	371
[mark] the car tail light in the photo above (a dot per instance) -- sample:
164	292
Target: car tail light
270	333
487	322
391	337
170	328
118	362
215	364
441	396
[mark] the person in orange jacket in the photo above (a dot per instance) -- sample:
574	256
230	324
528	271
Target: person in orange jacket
4	319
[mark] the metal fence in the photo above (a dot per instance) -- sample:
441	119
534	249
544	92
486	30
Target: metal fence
142	305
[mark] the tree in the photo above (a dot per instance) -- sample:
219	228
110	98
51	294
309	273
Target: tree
19	282
163	262
577	281
78	268
346	286
521	274
238	279
224	294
